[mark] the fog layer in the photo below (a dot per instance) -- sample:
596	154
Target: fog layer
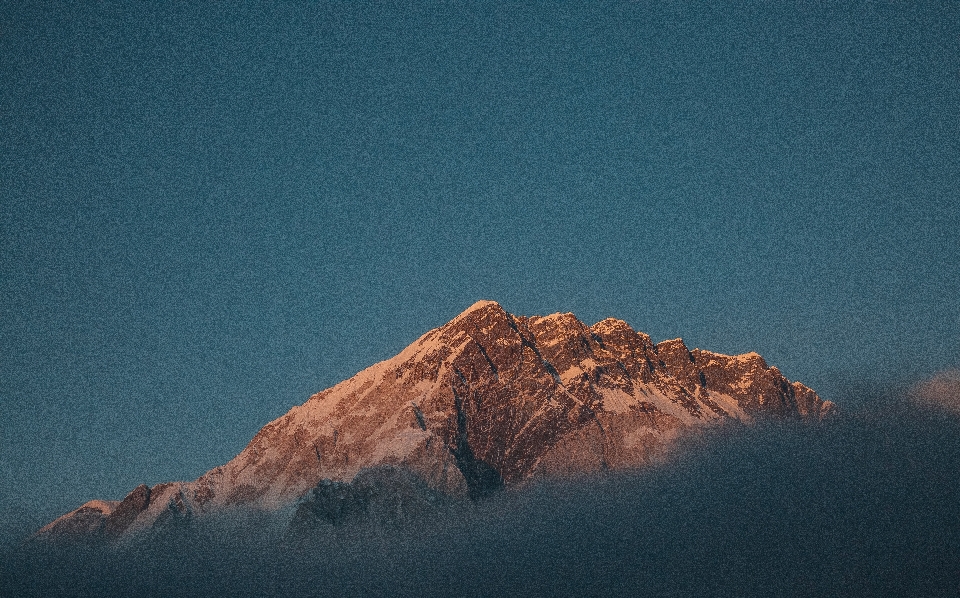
866	504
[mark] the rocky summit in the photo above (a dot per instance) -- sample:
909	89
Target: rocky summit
485	401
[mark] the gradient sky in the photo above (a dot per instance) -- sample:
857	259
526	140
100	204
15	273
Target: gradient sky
211	212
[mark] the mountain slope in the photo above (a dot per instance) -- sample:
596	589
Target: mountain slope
489	399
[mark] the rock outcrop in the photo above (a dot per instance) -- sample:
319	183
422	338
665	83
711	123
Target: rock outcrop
85	522
487	400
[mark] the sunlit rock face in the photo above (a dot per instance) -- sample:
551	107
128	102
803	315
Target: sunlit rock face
487	400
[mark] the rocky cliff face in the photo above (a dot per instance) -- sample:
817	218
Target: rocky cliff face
487	400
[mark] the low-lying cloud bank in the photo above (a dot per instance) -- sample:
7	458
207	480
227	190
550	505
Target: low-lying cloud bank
865	504
942	392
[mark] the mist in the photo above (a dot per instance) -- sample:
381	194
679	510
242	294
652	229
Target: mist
867	503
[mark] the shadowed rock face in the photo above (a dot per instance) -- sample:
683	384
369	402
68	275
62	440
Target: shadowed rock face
381	494
127	511
487	400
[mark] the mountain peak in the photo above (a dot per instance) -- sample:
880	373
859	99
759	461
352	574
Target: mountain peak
482	304
479	310
487	400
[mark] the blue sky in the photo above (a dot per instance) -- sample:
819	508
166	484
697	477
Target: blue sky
211	212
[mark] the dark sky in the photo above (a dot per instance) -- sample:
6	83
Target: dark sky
211	212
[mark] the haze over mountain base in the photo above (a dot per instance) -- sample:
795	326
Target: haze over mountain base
864	504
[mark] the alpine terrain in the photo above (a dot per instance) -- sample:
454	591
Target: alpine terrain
488	400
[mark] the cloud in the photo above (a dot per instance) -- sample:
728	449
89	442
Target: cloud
865	503
941	392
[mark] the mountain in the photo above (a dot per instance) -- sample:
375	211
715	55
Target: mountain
485	401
